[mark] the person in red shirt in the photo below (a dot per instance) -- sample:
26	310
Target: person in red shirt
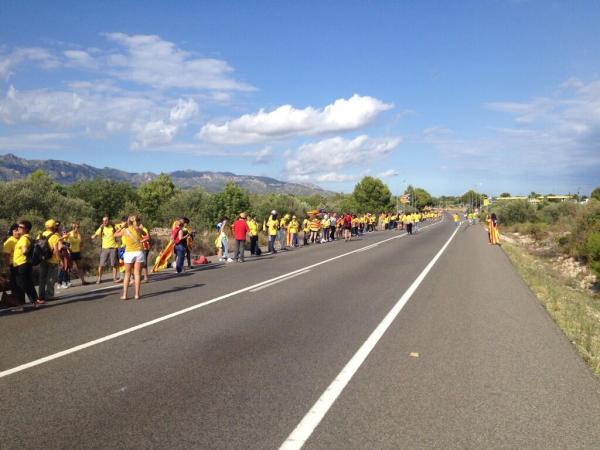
347	227
240	229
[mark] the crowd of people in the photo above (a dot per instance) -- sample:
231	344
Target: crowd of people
125	246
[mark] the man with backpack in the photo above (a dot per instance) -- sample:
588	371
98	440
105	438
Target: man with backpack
110	249
50	243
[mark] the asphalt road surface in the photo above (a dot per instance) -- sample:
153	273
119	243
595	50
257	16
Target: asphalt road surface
389	341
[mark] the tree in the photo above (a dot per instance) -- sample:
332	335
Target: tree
472	198
596	193
505	194
228	203
372	195
419	197
38	198
107	197
153	196
193	204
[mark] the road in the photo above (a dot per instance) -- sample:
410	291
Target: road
266	354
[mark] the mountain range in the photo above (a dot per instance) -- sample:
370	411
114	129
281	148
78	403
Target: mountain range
13	167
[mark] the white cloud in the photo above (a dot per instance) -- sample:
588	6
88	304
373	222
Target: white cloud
388	173
34	141
161	132
72	109
41	56
263	156
323	160
554	140
152	61
101	112
184	110
154	133
79	58
286	121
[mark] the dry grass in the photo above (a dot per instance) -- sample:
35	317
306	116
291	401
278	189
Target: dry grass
576	311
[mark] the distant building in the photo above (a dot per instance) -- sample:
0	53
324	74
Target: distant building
540	199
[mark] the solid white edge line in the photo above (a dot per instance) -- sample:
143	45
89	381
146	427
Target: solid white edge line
264	286
109	337
311	420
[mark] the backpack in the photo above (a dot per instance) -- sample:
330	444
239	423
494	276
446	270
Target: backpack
40	250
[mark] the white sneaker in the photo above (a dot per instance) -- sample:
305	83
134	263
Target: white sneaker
229	260
220	259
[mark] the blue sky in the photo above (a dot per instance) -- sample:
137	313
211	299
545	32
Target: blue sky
496	95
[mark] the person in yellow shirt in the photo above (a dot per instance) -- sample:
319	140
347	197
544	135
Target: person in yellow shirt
456	219
23	268
282	232
133	237
253	226
74	240
417	222
325	229
293	228
306	230
109	252
8	250
49	267
272	227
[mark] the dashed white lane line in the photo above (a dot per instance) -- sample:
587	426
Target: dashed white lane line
311	420
264	286
112	336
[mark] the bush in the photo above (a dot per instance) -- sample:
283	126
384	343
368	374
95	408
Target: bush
591	250
512	212
554	212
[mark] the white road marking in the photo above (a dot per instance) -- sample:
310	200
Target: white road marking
311	420
369	247
264	286
112	336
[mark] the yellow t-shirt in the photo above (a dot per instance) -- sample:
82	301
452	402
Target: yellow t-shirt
293	226
9	248
52	242
74	240
20	256
108	236
253	226
272	224
132	238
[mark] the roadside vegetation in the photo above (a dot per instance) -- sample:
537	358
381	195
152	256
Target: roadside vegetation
575	311
556	229
556	249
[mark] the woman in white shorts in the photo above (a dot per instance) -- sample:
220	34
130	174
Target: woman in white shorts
133	236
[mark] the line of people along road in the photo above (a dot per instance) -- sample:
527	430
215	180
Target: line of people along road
125	247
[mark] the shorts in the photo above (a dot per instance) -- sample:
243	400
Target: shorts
107	253
134	257
76	256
